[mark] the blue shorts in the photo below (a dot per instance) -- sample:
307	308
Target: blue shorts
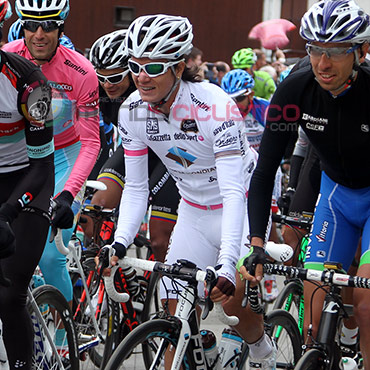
342	217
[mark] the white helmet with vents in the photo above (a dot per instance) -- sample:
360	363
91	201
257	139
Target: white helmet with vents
335	21
109	51
42	9
160	37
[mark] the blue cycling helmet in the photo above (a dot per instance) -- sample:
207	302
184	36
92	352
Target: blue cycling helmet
237	82
66	41
15	31
42	10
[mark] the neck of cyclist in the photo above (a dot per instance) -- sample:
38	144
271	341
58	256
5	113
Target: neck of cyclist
164	105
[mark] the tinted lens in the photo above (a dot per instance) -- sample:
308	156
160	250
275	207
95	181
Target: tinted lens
47	26
134	67
239	98
154	68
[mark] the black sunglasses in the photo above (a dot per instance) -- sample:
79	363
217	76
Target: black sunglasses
47	26
240	98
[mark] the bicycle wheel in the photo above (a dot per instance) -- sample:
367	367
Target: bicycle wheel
158	335
313	359
152	304
283	329
57	316
289	300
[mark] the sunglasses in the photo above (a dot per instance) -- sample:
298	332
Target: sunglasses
112	79
47	26
335	54
151	69
240	98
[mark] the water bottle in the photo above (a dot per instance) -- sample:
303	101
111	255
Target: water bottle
210	347
230	348
348	363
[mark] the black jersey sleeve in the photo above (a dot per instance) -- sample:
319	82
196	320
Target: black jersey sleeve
281	124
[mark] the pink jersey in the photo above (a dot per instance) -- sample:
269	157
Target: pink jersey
75	107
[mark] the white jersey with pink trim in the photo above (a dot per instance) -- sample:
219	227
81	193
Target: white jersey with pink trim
202	145
75	104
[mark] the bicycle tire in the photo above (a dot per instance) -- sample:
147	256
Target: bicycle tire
289	300
129	354
283	330
313	359
54	309
152	305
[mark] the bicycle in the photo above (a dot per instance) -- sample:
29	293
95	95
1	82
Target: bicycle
325	351
145	347
49	312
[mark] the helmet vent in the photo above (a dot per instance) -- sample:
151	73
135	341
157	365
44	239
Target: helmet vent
39	3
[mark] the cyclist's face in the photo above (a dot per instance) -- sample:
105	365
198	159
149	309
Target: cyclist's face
114	91
41	44
154	89
332	73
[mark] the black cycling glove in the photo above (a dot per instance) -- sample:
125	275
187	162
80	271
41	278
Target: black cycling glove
256	256
62	214
120	250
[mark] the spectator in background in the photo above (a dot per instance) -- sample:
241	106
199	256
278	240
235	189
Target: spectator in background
271	71
261	59
222	68
194	58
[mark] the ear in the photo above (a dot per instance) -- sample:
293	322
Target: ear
180	67
363	52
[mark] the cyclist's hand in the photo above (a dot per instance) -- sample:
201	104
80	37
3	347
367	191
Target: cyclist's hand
62	212
7	239
252	269
119	252
223	290
284	201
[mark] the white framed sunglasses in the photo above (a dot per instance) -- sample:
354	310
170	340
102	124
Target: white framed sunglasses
112	79
153	69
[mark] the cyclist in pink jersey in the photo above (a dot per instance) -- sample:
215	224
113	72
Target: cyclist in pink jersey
75	108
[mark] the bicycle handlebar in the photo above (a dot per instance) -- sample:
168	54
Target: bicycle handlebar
174	271
303	221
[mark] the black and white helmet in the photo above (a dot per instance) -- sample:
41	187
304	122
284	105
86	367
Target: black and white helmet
335	21
42	9
109	51
160	37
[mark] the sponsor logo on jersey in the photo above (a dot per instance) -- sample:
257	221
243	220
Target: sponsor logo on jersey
77	68
180	156
212	178
61	86
182	136
134	104
199	104
164	137
321	254
224	125
365	128
189	125
321	237
225	140
6	115
152	126
315	123
38	112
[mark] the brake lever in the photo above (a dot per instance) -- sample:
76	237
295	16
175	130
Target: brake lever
211	281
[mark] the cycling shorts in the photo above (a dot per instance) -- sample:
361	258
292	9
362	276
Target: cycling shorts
342	216
164	196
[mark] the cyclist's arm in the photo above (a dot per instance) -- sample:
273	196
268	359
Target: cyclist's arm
39	142
135	195
87	116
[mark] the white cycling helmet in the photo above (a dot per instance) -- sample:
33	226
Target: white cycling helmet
160	37
335	21
42	9
109	51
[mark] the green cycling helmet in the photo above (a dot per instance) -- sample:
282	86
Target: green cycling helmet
244	58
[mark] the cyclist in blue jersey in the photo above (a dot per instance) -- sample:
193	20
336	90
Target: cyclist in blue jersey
330	102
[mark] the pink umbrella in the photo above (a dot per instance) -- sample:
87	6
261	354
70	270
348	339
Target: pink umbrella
272	33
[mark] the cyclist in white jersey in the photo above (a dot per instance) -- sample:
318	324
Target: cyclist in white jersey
196	130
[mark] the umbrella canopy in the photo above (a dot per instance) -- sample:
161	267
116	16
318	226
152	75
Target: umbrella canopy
272	33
